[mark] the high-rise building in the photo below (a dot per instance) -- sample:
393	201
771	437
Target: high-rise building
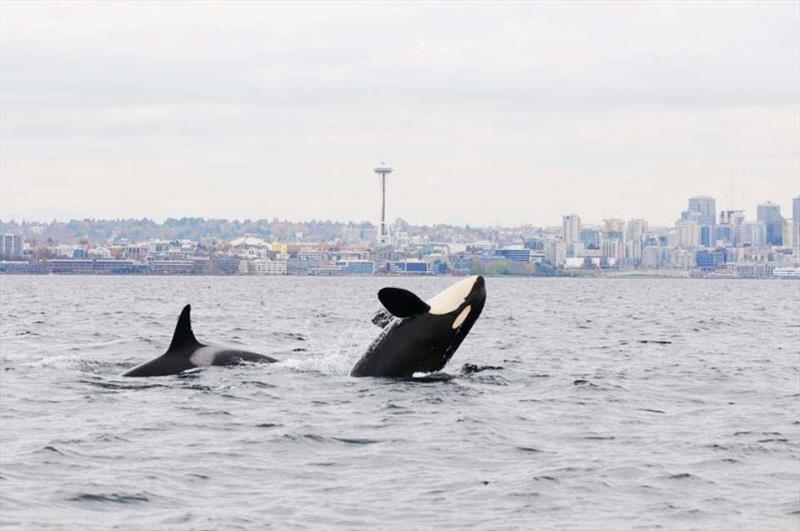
770	215
633	252
555	252
636	229
687	233
753	233
590	238
614	249
729	229
796	220
12	245
702	209
651	256
614	228
789	233
572	228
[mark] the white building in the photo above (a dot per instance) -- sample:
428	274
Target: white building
754	233
263	266
100	253
633	252
250	247
790	234
574	249
555	252
651	256
613	249
636	229
687	233
614	225
682	259
12	245
571	228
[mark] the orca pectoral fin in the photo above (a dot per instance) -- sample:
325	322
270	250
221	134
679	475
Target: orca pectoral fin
382	318
183	336
401	302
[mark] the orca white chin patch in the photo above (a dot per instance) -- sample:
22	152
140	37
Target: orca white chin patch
450	299
461	317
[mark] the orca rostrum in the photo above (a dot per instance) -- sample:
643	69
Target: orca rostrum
419	336
185	353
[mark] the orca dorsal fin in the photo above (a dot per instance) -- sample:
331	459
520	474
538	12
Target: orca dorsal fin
401	302
183	336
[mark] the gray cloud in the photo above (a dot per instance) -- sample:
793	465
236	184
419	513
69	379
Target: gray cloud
514	112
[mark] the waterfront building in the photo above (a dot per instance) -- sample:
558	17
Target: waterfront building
357	267
12	245
410	267
750	269
263	266
19	266
225	265
514	254
70	266
792	272
172	267
710	259
571	225
770	215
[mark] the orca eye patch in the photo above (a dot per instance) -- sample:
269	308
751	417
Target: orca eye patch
461	317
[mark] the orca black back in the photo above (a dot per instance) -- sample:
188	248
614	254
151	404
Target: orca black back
185	353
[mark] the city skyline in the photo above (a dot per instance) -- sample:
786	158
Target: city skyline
786	210
508	115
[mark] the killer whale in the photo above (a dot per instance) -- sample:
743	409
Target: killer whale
419	336
185	352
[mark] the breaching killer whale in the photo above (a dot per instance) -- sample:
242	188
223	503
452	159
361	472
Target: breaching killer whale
421	336
185	352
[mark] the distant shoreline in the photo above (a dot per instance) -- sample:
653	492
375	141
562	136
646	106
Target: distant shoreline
611	276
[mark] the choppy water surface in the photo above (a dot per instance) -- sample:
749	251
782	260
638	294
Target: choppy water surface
589	421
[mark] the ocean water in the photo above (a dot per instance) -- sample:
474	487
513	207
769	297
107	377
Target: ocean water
610	404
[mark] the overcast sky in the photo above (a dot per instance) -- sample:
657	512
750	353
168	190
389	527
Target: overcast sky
490	113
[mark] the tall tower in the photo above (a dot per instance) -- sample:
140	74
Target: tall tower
770	215
383	171
572	228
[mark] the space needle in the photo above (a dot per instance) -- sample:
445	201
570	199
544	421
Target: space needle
383	171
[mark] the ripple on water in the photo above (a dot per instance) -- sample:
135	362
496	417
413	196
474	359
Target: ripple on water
686	419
